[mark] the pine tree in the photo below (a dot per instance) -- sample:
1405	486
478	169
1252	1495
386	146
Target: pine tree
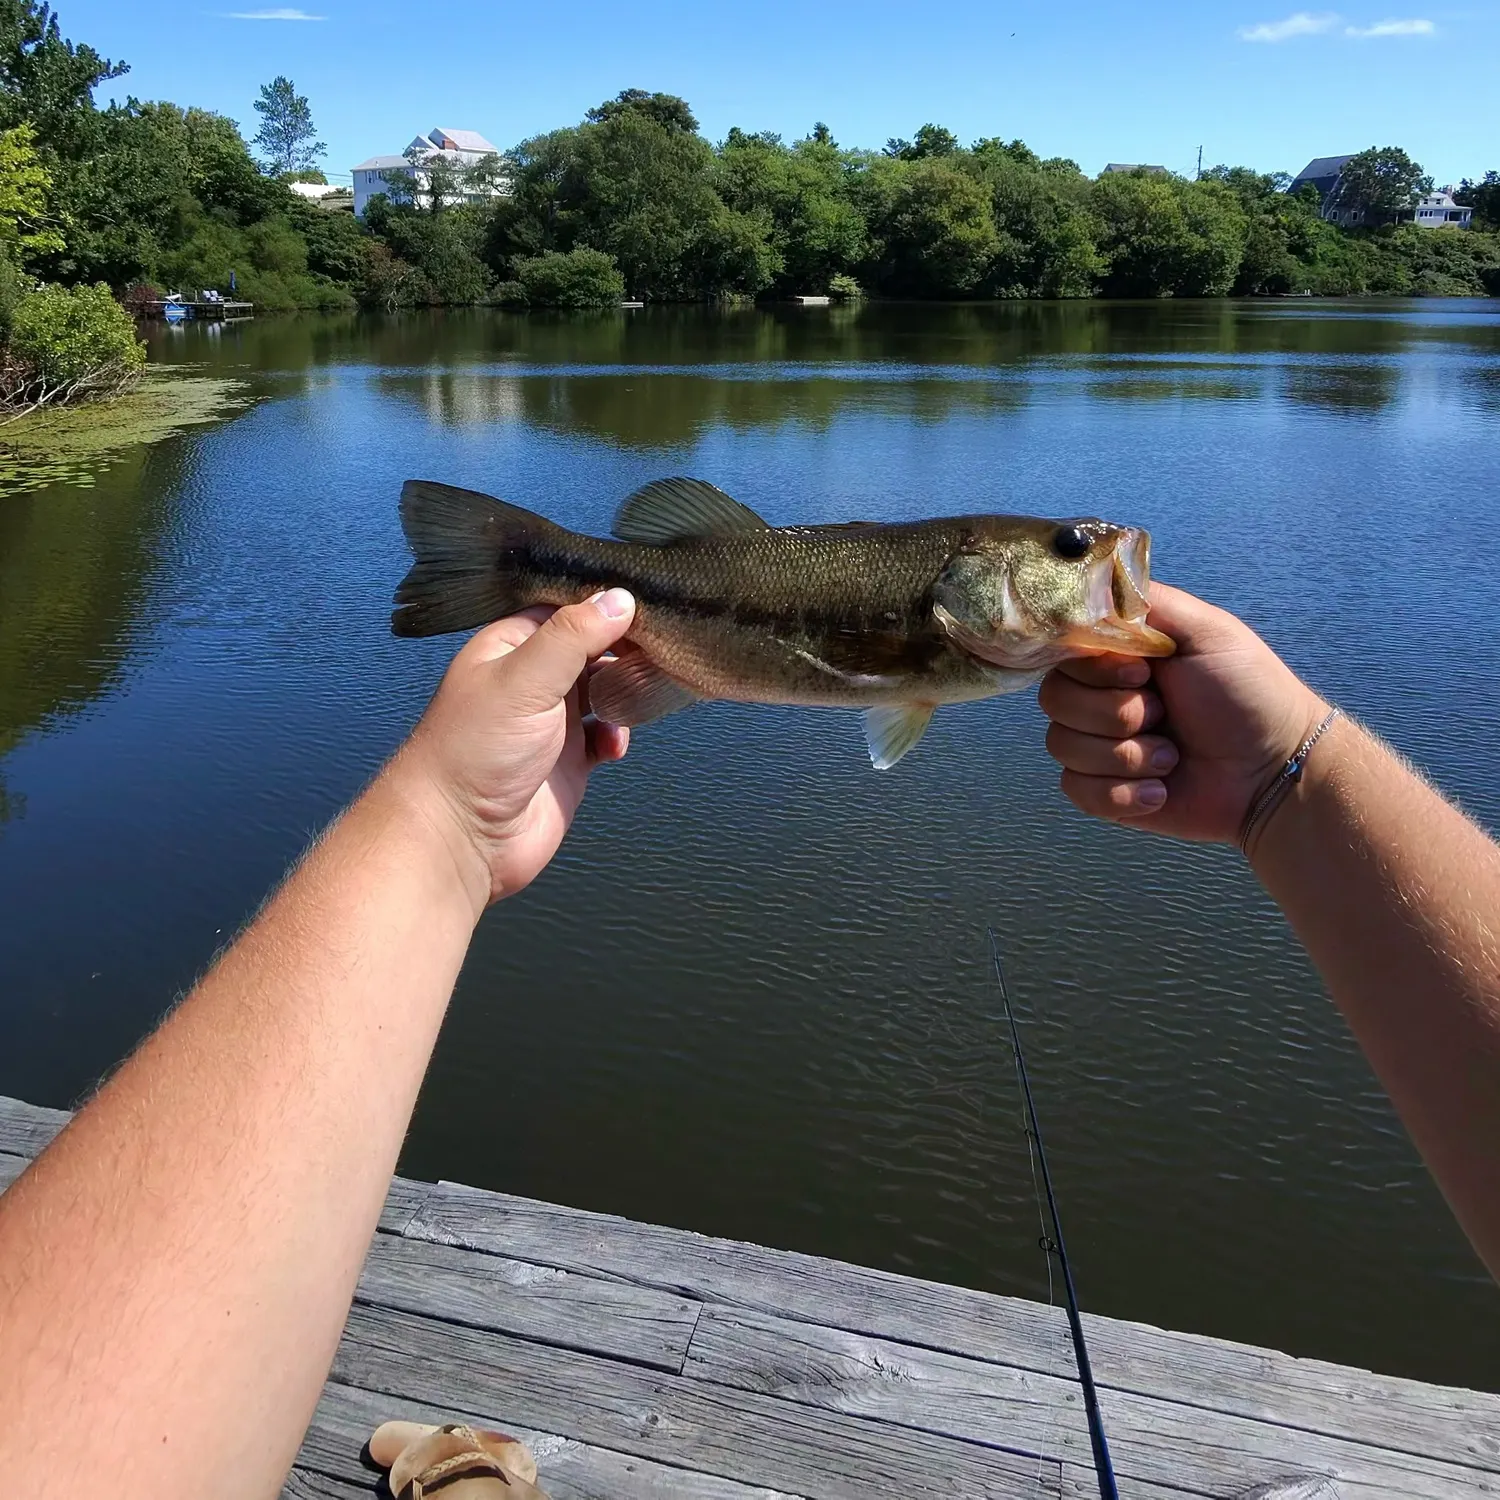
287	137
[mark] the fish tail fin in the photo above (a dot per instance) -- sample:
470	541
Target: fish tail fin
460	539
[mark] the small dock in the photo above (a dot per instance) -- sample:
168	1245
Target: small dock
644	1363
212	309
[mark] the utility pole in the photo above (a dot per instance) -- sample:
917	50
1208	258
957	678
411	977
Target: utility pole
1200	164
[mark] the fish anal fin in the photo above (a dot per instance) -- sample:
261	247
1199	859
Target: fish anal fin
674	510
633	690
891	729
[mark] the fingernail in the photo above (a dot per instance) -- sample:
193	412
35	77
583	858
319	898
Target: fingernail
1164	757
1150	794
614	604
1133	673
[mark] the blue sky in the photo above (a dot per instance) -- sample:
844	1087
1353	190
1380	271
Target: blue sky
1258	82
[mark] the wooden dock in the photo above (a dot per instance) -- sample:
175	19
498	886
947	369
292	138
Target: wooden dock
215	311
643	1363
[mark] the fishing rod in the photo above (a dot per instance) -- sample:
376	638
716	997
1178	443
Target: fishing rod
1053	1244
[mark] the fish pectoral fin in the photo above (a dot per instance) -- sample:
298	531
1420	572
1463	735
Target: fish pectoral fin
634	690
892	729
673	510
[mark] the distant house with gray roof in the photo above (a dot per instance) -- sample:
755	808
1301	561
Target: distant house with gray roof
1323	173
1134	166
464	148
1438	210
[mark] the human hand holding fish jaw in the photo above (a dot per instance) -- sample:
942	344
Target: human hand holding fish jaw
500	760
1227	712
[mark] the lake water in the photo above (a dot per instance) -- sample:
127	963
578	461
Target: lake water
752	997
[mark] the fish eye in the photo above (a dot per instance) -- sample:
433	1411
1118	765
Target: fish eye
1071	542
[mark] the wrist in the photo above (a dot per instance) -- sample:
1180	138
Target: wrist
1281	827
429	817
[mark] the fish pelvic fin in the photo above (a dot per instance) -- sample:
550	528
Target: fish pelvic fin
894	728
459	539
675	510
634	690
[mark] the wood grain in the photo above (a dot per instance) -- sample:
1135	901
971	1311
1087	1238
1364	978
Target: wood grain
536	1302
684	1423
569	1470
1440	1422
1165	1442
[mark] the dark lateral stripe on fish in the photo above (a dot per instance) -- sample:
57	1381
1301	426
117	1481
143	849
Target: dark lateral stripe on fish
573	567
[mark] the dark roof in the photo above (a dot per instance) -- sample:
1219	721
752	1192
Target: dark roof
1323	170
1132	166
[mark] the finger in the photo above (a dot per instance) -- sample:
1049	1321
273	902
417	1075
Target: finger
501	638
539	673
1143	755
1111	799
604	742
1107	670
1116	713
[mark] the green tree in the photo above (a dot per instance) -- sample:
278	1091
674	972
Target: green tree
1161	236
1484	198
581	278
670	112
1046	234
641	191
932	231
25	227
1378	184
45	79
76	342
1217	227
287	138
930	140
800	196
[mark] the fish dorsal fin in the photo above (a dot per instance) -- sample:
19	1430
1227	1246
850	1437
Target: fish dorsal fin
892	729
672	510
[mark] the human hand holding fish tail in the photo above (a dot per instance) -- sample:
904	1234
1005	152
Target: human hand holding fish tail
500	760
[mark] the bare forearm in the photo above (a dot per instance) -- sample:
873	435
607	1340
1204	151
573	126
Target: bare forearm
186	1251
1396	896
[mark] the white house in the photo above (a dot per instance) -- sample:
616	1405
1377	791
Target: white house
1437	210
463	148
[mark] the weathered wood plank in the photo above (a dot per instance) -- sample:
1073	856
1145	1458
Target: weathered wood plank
1337	1401
1201	1452
402	1203
570	1470
931	1391
11	1168
684	1423
303	1484
543	1303
26	1128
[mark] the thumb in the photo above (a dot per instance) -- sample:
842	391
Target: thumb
1193	623
540	672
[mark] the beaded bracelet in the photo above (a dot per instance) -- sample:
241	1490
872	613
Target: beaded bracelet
1290	775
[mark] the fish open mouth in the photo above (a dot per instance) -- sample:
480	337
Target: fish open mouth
1118	599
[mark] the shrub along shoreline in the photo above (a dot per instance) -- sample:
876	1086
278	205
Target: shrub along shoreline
630	202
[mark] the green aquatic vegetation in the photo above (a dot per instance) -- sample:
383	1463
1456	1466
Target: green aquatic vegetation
69	445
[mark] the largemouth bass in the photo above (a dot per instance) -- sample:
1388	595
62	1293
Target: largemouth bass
894	618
